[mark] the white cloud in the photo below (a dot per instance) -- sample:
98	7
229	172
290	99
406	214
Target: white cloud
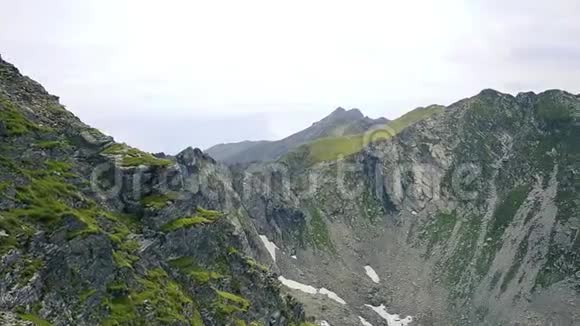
211	60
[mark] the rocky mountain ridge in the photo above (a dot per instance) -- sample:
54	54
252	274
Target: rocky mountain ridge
340	122
94	232
468	217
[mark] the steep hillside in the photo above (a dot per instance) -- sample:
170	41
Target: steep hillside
468	217
339	123
336	147
93	232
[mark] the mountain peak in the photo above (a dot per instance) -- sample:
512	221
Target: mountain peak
342	114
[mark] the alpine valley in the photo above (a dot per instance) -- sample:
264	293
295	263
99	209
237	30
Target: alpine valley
467	214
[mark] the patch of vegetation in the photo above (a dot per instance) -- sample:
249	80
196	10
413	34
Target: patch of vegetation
553	110
502	218
228	303
159	201
133	157
123	225
332	148
83	296
15	122
34	319
31	267
563	260
196	320
52	144
115	149
438	230
412	117
371	208
15	229
123	259
464	251
47	195
254	265
202	217
157	293
188	266
5	185
318	231
121	311
164	294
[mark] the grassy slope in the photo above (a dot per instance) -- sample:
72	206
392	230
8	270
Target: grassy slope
332	148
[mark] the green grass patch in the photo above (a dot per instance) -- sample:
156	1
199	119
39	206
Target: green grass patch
4	185
412	117
121	311
34	319
439	229
15	122
202	217
83	296
16	230
254	265
49	196
318	230
464	252
31	267
188	266
229	303
124	259
553	110
503	216
52	144
332	148
159	201
161	296
164	294
133	157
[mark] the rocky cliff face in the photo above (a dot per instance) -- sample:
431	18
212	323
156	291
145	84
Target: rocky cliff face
95	232
469	217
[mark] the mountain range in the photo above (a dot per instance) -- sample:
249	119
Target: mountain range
466	214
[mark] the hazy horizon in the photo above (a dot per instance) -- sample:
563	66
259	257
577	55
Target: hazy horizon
164	76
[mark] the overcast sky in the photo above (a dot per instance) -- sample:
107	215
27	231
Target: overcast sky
163	75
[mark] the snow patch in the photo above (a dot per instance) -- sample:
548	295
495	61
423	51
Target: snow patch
372	274
324	323
364	322
270	246
392	320
310	289
294	257
297	286
332	295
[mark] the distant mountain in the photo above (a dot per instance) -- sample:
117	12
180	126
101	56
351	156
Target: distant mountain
340	122
334	147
